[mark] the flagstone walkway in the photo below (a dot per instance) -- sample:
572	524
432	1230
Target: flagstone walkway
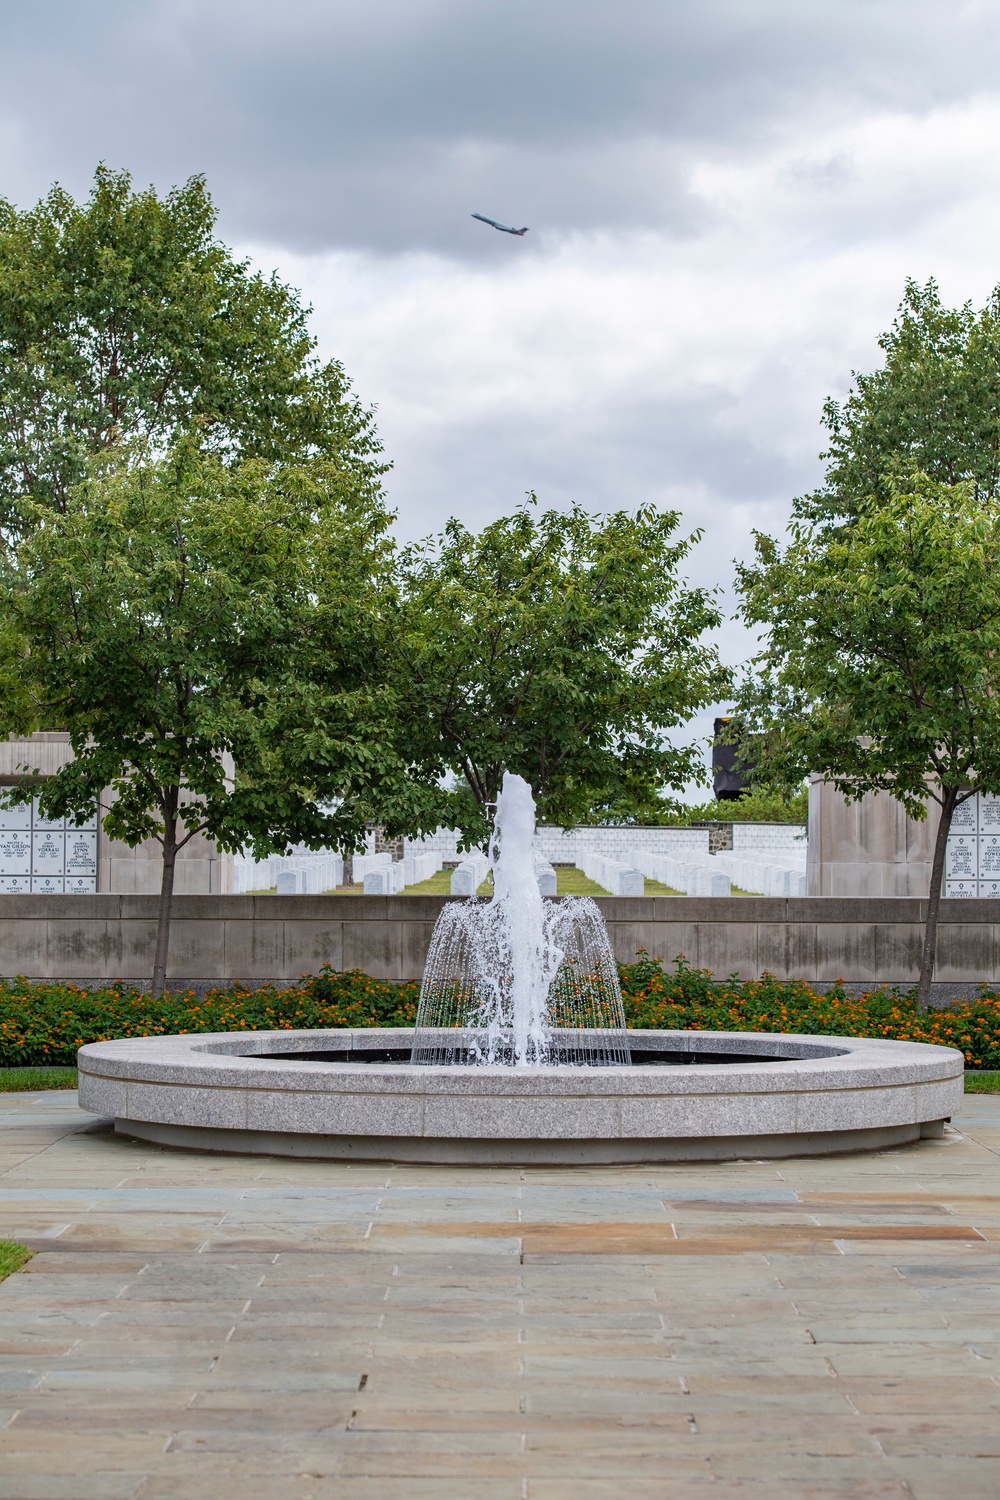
216	1326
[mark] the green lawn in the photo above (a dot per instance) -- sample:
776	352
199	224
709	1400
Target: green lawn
12	1257
573	882
985	1082
569	882
19	1080
438	885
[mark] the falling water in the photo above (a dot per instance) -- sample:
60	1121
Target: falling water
518	980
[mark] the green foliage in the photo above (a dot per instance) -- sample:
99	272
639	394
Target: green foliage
168	618
882	614
125	318
934	407
23	1080
561	647
693	999
881	665
43	1024
758	805
12	1257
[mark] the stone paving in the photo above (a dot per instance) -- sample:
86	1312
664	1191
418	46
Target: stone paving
216	1326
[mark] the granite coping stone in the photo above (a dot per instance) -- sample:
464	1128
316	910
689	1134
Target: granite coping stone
212	1087
221	1059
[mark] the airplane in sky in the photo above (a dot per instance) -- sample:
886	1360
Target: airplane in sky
505	228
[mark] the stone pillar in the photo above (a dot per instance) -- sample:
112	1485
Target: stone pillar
867	848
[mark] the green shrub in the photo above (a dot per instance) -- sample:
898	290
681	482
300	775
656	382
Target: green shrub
44	1024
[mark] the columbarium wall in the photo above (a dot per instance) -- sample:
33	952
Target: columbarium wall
76	857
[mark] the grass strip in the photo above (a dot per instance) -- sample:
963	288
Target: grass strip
21	1080
12	1257
985	1082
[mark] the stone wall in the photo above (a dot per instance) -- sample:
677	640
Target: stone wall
258	939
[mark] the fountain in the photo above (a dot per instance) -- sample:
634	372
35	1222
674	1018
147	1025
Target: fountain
520	1054
518	980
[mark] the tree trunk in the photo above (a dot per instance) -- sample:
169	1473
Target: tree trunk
950	801
166	903
349	868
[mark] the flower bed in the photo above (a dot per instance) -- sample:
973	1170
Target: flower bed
45	1023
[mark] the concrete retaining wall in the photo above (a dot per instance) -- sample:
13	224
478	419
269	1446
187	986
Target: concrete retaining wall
259	939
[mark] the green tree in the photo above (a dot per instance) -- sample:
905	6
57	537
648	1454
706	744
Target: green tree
933	407
562	647
755	805
208	635
881	668
124	318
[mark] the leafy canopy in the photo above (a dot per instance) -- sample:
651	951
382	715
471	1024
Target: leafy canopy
169	617
881	668
559	646
756	805
124	318
933	407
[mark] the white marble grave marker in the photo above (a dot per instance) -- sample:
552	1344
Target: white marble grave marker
81	853
48	853
961	860
989	855
965	818
15	852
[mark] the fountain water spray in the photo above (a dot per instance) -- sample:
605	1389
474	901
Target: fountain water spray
520	981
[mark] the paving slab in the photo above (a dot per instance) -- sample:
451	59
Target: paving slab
196	1325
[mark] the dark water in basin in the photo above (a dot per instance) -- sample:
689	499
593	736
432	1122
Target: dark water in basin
640	1057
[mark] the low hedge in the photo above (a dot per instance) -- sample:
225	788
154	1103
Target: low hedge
44	1024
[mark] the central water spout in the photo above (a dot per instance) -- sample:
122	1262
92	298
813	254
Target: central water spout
520	981
533	957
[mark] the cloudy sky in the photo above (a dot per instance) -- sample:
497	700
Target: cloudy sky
724	200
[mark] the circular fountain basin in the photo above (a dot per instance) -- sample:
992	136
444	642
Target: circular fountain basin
689	1096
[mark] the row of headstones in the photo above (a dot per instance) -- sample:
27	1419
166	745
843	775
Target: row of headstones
612	875
468	876
289	874
778	873
312	873
694	876
700	874
388	878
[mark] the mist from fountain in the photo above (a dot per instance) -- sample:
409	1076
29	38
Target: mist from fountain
518	980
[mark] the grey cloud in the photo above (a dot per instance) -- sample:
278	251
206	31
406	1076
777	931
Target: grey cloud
325	122
678	454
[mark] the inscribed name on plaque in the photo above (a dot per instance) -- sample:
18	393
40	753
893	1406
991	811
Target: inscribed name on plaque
962	858
989	857
48	853
15	852
81	853
965	818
